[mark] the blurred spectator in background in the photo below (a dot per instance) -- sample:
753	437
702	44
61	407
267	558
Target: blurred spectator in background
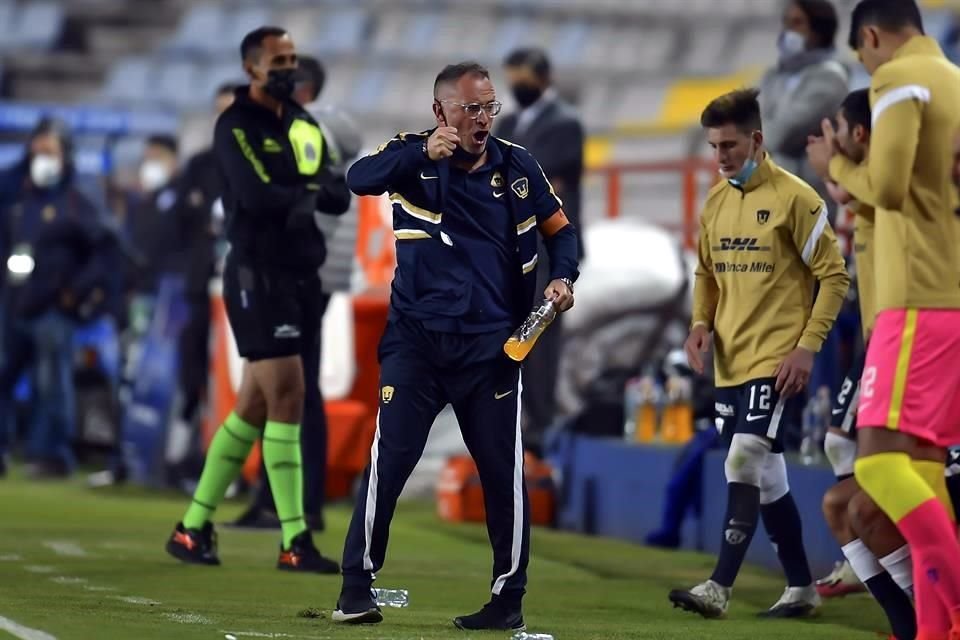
807	84
199	222
153	226
551	130
343	140
52	243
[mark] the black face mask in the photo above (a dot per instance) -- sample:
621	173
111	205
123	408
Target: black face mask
280	83
526	94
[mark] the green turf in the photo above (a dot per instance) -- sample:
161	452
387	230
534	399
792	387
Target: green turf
580	588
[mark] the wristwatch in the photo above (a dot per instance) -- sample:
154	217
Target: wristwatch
568	282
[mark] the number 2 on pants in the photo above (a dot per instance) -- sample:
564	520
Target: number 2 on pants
866	382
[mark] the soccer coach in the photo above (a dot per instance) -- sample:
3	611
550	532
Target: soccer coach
466	209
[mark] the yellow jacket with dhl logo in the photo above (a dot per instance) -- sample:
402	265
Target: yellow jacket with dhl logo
762	250
915	100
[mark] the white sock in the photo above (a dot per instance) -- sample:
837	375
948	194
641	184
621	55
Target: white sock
862	560
900	567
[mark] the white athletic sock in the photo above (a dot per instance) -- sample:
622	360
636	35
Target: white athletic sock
862	560
900	567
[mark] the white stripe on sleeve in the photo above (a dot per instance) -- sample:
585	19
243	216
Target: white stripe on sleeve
890	98
822	223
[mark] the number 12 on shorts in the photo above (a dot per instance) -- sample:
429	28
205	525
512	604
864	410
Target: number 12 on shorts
766	391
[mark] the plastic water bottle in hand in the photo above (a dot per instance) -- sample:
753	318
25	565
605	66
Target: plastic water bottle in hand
396	598
521	342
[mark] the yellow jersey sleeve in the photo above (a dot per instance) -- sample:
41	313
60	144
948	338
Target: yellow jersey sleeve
706	293
818	247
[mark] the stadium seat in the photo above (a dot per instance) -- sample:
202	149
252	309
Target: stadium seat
36	25
220	73
369	88
390	32
637	102
193	36
419	35
342	30
174	84
466	34
7	11
240	23
570	40
753	48
129	81
706	51
512	32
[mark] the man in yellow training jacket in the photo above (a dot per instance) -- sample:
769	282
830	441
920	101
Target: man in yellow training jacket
765	241
875	551
910	390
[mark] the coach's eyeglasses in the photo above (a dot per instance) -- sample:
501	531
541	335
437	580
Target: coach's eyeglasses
473	109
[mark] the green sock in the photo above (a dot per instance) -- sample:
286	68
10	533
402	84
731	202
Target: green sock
281	456
228	451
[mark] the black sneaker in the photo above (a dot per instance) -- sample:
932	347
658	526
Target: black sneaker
194	546
304	556
495	615
357	606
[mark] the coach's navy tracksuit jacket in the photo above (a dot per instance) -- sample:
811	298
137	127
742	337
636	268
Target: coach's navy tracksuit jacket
465	279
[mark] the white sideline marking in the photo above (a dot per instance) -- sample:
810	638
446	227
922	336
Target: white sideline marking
137	600
10	557
39	568
65	548
68	580
22	632
260	634
187	618
92	587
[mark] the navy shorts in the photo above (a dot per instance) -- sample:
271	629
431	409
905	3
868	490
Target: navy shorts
843	413
754	407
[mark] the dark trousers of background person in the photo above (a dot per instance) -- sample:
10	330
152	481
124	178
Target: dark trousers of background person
194	358
421	371
42	345
313	432
540	371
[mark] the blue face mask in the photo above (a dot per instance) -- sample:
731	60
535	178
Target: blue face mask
746	171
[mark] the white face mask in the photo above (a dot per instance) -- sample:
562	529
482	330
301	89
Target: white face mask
153	175
790	44
45	170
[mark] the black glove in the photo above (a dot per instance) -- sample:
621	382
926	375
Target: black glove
300	217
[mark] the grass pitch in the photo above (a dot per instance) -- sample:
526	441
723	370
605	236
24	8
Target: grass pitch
81	565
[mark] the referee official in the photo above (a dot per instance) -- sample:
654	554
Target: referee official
275	168
467	208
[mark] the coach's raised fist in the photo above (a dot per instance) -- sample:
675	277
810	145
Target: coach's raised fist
442	143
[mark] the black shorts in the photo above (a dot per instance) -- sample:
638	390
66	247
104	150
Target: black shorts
273	312
843	413
754	407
